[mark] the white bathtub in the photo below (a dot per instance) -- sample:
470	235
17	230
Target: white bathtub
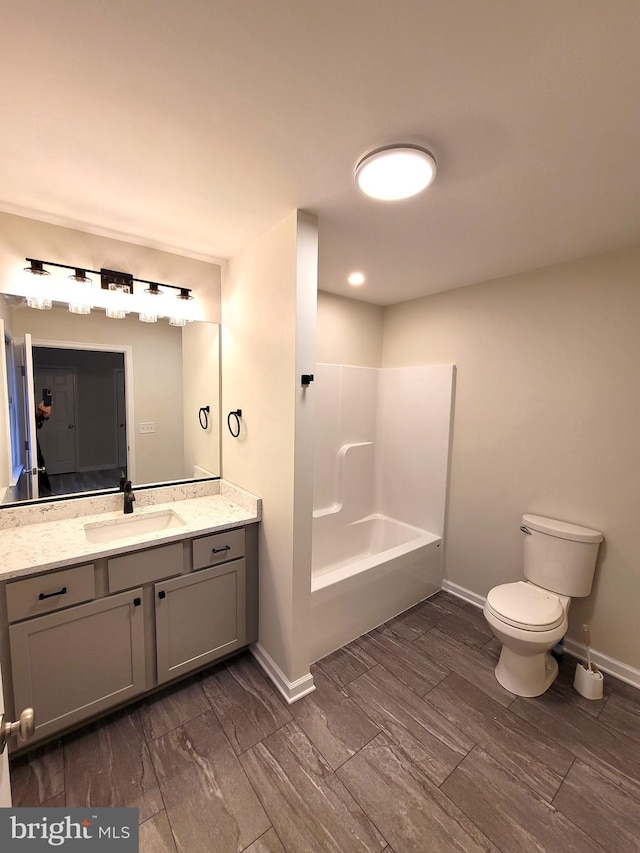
366	572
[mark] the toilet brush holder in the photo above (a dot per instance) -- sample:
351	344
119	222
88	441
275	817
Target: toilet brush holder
588	682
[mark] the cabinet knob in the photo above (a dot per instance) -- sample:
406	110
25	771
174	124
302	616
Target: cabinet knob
137	602
23	728
162	594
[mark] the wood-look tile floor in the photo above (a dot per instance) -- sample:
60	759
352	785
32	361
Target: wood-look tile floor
408	745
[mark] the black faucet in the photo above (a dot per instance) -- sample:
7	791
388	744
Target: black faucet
129	497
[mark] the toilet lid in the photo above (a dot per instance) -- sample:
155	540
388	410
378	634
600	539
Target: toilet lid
526	606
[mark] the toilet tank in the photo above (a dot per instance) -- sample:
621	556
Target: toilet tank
559	556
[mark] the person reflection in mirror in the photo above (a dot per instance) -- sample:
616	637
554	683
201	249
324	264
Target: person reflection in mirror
43	413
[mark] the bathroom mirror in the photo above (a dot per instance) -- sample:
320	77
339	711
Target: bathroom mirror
128	398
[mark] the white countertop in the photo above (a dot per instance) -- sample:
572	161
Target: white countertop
31	548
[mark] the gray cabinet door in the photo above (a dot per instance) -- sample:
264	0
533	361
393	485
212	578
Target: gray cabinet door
200	617
74	663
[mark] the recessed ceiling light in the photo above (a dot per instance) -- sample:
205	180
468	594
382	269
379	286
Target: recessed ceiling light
356	278
395	171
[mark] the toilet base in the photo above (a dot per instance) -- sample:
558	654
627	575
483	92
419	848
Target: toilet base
526	675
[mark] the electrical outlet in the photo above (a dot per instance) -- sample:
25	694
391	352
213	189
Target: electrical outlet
148	426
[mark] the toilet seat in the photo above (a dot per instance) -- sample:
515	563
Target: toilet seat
525	606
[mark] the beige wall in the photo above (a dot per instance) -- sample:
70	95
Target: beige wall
201	387
546	421
349	331
268	334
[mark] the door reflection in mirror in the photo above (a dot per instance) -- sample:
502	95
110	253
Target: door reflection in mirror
81	442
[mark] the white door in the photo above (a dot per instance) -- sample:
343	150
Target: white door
58	435
24	354
6	403
121	415
5	789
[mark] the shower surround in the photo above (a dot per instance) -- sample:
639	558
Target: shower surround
382	447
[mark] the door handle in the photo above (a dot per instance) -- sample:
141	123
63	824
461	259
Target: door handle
69	426
23	728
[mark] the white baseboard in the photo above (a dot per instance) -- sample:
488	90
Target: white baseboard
607	664
465	594
291	691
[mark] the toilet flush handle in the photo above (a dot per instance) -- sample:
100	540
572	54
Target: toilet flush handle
525	530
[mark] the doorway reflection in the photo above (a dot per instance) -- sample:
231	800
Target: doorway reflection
84	440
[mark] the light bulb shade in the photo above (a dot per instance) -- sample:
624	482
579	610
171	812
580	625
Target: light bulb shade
114	313
43	303
150	305
79	289
37	295
181	310
118	300
395	172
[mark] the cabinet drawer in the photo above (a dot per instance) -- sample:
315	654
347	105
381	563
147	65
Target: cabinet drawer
218	548
44	593
139	568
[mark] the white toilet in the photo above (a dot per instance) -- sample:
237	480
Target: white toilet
530	617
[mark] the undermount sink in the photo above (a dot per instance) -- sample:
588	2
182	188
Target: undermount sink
120	528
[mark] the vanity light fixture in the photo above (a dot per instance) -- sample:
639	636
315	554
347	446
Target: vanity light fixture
120	287
395	172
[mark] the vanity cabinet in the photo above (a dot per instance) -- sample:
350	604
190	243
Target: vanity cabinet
200	618
153	616
74	663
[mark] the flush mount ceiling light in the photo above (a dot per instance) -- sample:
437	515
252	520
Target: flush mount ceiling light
395	172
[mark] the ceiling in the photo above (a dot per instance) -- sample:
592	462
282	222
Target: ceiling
195	125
